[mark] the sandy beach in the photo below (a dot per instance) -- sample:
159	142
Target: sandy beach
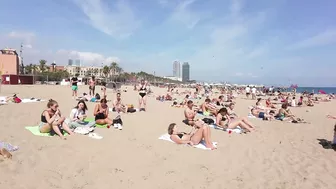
279	155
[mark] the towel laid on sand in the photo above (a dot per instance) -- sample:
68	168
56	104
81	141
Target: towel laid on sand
238	130
9	147
36	131
201	145
97	125
26	100
251	116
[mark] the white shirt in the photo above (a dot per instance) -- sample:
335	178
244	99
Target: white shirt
293	103
247	89
254	90
75	112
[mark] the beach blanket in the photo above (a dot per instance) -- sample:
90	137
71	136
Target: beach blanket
27	100
201	145
251	116
97	125
36	131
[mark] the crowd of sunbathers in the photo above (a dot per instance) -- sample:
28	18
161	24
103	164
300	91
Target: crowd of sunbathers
219	112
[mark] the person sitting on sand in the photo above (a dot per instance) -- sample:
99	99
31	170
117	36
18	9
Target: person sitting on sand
284	114
263	114
300	102
192	138
190	113
78	115
52	120
269	104
208	108
223	120
118	106
293	102
310	102
101	111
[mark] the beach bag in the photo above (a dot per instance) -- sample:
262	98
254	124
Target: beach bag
208	121
17	100
97	96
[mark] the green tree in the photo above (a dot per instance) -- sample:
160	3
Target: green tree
42	65
29	69
106	71
53	66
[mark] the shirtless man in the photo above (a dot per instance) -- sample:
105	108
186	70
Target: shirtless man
118	106
92	86
190	113
207	107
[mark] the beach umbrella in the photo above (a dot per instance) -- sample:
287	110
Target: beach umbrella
322	92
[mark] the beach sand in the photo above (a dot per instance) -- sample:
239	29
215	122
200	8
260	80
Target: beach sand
279	155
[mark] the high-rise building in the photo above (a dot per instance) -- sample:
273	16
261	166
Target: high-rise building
185	72
177	69
70	62
77	62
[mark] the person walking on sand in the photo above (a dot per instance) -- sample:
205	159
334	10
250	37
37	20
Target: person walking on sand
74	86
92	86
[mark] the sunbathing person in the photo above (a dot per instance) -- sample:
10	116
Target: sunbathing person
78	115
86	97
190	113
13	99
269	104
52	120
223	120
208	108
118	106
285	114
192	138
263	114
101	111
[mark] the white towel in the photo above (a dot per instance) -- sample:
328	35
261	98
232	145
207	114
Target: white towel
201	145
26	100
251	116
238	130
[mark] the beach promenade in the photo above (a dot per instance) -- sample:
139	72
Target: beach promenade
279	155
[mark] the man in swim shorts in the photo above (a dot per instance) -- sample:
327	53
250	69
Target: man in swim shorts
74	86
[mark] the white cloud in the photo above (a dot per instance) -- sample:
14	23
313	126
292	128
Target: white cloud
25	37
88	58
184	15
324	38
120	23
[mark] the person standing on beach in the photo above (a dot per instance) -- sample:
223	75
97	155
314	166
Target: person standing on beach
248	91
74	86
92	86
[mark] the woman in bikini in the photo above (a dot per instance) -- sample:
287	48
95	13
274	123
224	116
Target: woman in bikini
52	120
192	138
223	120
101	111
142	95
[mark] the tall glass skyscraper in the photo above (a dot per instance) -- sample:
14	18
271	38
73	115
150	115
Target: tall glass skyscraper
177	69
70	62
185	72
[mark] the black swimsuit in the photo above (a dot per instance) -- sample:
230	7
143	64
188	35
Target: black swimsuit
99	116
142	91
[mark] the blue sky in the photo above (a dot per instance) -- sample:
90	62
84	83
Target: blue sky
241	41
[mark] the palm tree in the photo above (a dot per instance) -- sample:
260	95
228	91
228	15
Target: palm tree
34	69
106	71
113	68
29	68
95	71
42	65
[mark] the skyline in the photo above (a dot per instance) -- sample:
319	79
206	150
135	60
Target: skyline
238	41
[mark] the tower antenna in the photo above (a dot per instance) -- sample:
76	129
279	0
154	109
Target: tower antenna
21	59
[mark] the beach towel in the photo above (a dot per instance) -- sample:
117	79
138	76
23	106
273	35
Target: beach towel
36	131
238	130
251	116
97	125
9	147
27	100
201	145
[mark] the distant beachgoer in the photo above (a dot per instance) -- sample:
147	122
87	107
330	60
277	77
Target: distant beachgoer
103	89
142	95
254	93
192	138
74	86
52	120
92	86
248	91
